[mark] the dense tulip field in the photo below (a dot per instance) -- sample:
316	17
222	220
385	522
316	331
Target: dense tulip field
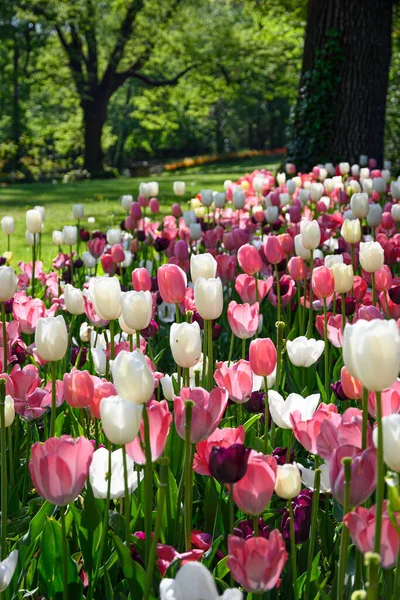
206	405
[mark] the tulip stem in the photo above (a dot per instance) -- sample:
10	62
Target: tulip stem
72	264
353	265
4	325
256	283
326	362
293	550
373	289
278	292
364	418
244	349
231	349
310	317
380	476
313	529
130	338
205	336
53	398
157	528
344	542
266	415
177	313
280	326
210	357
137	340
33	265
105	524
127	498
112	341
396	591
64	553
372	561
3	469
343	306
188	475
148	484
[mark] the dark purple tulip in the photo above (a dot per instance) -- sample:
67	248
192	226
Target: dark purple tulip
122	225
245	529
301	505
20	353
196	317
2	261
216	331
78	263
161	244
84	235
150	331
82	359
349	305
8	306
141	236
255	404
338	390
99	234
280	455
229	465
154	284
394	294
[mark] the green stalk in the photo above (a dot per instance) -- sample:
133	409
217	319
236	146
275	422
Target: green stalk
177	313
157	528
353	265
326	362
310	313
148	484
127	498
231	349
105	526
188	475
10	456
8	243
4	326
3	469
372	561
64	553
243	348
278	292
130	338
343	296
364	418
33	265
210	357
380	476
137	340
53	398
205	346
313	529
373	289
280	326
72	264
266	415
112	341
293	550
344	542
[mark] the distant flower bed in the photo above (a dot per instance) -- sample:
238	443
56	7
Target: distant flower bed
207	159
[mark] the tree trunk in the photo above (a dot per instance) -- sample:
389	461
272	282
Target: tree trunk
94	117
340	112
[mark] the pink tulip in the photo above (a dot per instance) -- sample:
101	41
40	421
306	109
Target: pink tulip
172	283
243	319
245	285
306	432
176	210
390	400
351	386
383	279
91	314
288	290
297	268
117	253
27	311
323	284
287	243
249	259
257	563
102	389
206	414
136	211
181	250
346	432
108	264
226	268
363	474
160	419
262	356
96	246
167	554
253	492
25	381
141	280
237	380
59	468
273	250
154	206
221	438
78	388
361	524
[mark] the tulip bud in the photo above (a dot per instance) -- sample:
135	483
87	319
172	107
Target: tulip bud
144	189
73	299
281	178
126	202
179	188
84	332
185	342
189	217
105	293
219	199
288	481
34	221
207	197
333	259
374	217
195	231
208	297
360	205
316	191
372	256
310	234
57	238
203	265
154	188
238	198
113	236
132	377
51	338
391	441
8	283
395	212
229	465
88	260
7	225
70	234
78	211
258	183
343	277
9	413
272	214
351	231
300	250
379	185
137	309
120	419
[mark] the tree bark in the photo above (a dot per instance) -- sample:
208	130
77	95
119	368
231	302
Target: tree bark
94	117
340	112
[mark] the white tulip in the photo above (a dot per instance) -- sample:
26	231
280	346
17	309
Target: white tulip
355	170
379	185
105	293
99	474
308	476
57	238
154	188
351	231
137	309
70	234
360	205
189	217
195	231
126	202
258	183
395	189
168	386
7	569
88	260
291	186
395	212
363	160
272	214
208	297
227	183
73	299
391	441
298	181
42	211
374	217
371	352
304	352
299	249
179	188
316	191
51	338
7	225
113	237
386	175
194	582
34	221
281	178
288	481
310	234
120	419
355	186
281	409
328	185
8	283
133	377
78	211
239	198
344	168
144	189
185	343
84	332
219	199
127	260
203	265
304	196
9	411
207	197
372	256
367	185
333	259
343	277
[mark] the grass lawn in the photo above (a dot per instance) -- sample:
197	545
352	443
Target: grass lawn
101	199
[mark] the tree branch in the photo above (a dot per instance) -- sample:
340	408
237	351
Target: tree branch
158	82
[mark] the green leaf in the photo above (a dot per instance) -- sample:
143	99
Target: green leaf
59	424
221	570
50	565
171	507
90	528
134	573
315	572
321	388
253	419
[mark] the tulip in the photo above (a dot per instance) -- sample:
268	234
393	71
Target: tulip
98	474
391	441
343	277
344	168
363	474
51	338
257	563
9	411
133	377
160	419
120	419
141	280
379	184
207	412
88	260
70	235
105	293
7	570
195	231
300	250
371	256
189	218
219	199
304	352
351	386
60	467
371	352
73	299
172	283
322	282
8	283
361	523
360	205
185	342
7	225
253	492
78	211
237	380
374	217
220	438
137	309
34	221
249	259
194	582
243	319
272	214
310	234
126	201
395	211
238	198
203	265
179	188
281	409
229	465
208	296
297	268
32	239
262	357
78	388
288	481
207	197
351	231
